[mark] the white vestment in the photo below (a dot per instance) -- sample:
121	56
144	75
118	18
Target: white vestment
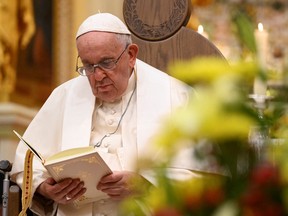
65	121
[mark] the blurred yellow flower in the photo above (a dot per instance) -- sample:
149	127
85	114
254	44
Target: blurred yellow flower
213	114
206	70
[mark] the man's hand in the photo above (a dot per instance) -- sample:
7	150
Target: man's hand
62	192
122	184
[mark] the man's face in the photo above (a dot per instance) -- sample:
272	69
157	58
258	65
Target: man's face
97	47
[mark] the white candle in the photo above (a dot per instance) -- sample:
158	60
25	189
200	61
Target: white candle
261	37
201	31
260	87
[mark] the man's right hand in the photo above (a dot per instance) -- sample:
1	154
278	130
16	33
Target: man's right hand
63	192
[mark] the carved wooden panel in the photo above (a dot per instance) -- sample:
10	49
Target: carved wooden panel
155	19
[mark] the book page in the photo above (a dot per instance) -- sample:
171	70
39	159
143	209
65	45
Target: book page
69	153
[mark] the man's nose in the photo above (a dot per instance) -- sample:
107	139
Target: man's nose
99	73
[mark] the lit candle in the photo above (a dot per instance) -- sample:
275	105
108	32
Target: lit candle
261	37
201	31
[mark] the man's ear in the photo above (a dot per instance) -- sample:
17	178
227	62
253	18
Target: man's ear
133	52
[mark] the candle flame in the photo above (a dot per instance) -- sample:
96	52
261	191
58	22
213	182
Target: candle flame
260	27
200	29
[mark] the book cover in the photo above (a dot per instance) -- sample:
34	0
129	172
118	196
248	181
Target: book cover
85	163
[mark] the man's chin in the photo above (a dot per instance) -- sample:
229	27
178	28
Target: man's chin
105	96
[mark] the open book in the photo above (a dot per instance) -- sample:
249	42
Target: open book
85	163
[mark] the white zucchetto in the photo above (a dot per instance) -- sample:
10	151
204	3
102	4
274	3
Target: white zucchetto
104	22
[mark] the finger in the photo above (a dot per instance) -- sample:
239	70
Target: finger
70	187
117	194
61	189
116	197
76	190
116	191
70	198
114	177
50	181
60	186
105	186
79	194
64	200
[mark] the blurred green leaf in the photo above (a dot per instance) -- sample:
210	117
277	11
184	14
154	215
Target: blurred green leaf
245	30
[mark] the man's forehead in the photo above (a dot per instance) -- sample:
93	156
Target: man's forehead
96	38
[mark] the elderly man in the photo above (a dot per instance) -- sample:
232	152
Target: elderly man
116	105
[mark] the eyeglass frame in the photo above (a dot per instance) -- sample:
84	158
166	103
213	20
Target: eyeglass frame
99	64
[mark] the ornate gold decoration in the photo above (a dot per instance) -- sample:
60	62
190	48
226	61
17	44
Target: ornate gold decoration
58	169
91	160
16	29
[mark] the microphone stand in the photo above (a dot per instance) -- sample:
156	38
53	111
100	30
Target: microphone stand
5	167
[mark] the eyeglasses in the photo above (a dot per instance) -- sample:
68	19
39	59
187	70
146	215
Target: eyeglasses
105	65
